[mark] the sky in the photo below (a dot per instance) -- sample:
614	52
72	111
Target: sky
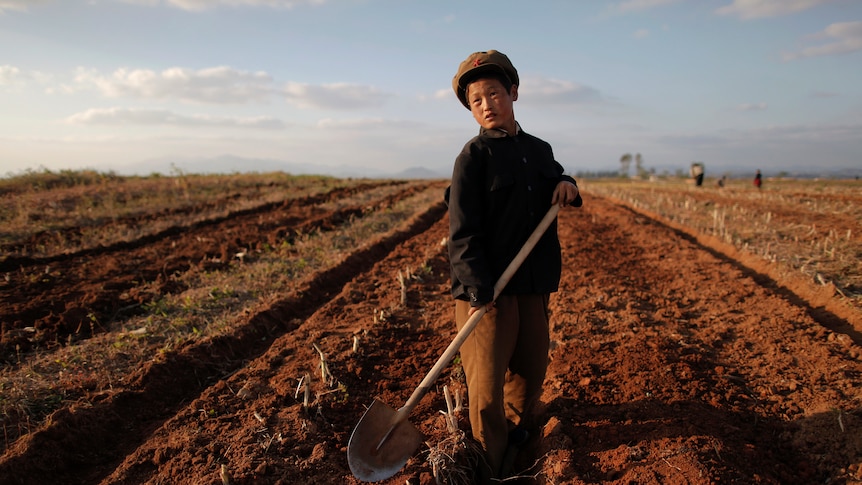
132	86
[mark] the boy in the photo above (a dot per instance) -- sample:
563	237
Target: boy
503	183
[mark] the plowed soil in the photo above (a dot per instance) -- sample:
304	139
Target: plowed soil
675	360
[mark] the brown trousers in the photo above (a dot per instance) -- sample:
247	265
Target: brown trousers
505	359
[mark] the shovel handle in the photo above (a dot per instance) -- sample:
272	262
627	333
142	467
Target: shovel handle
471	323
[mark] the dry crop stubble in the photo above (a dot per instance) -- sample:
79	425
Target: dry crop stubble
805	230
662	369
47	214
210	301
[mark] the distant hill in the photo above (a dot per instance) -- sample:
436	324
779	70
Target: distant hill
236	164
420	173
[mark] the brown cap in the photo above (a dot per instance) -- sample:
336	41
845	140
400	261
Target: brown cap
481	62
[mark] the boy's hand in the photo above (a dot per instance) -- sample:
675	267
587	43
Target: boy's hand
564	194
474	309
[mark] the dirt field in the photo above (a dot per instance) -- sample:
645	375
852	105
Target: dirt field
676	359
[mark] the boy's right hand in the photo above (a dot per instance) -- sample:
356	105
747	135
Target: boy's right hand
474	309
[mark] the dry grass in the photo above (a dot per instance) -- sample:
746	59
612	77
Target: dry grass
803	226
454	459
212	303
787	223
104	209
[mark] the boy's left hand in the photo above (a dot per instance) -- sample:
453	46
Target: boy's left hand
564	194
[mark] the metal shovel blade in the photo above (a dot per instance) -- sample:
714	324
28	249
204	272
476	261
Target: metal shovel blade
371	457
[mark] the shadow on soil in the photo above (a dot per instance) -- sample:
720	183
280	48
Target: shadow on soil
735	447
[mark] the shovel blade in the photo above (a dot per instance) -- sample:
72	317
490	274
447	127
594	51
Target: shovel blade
368	458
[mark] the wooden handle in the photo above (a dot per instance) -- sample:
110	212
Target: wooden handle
468	327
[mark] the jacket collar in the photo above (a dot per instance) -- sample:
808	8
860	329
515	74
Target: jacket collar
498	133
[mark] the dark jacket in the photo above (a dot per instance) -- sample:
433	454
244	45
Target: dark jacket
501	189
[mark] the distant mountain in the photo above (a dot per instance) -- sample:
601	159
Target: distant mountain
420	173
236	164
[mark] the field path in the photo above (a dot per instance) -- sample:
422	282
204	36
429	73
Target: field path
672	363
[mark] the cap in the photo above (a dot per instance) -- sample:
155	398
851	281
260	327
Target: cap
480	62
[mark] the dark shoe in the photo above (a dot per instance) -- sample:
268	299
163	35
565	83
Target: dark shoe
518	437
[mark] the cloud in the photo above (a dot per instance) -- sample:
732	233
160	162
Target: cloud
341	96
9	74
761	106
219	85
558	92
824	94
362	123
641	34
13	76
157	117
847	38
225	85
18	5
752	9
444	94
630	6
201	5
775	135
826	133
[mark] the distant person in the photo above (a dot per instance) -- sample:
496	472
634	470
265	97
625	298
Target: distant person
721	181
503	182
758	180
697	173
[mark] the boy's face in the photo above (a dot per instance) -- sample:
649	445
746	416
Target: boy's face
491	104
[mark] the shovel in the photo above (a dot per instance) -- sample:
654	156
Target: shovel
384	439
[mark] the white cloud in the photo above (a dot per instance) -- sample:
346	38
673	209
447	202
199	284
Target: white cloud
444	94
220	85
18	5
846	36
761	106
201	5
126	116
341	96
558	92
13	76
639	5
752	9
9	74
641	34
225	85
362	123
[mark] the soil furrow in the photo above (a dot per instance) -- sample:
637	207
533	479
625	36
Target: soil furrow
13	262
114	426
398	344
667	369
660	374
675	360
75	297
73	235
839	315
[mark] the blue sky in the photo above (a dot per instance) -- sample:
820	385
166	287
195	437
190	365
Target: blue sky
127	85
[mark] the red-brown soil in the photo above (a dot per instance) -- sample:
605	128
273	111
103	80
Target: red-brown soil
675	360
69	296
